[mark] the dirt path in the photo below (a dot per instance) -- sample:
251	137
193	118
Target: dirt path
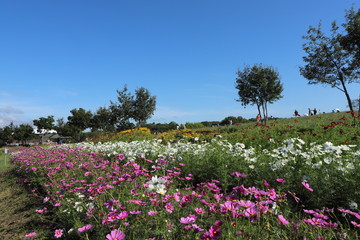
17	210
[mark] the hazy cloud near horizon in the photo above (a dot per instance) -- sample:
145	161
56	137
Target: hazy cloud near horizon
8	110
7	115
5	120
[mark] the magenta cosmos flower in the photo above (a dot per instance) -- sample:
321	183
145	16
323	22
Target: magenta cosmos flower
85	228
280	180
307	186
188	220
58	233
33	234
152	213
115	234
283	220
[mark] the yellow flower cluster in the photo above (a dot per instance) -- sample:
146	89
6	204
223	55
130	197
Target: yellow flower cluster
173	135
140	131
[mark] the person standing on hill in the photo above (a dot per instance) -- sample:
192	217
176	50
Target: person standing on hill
258	118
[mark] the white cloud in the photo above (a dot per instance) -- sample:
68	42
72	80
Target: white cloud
7	119
8	110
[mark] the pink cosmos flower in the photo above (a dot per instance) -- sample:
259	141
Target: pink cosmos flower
33	234
280	180
199	211
307	186
355	223
206	236
266	184
197	228
186	198
272	194
246	204
135	212
85	228
214	232
218	223
238	174
115	234
250	212
58	233
283	220
316	222
121	157
41	210
152	213
294	196
188	220
122	215
169	207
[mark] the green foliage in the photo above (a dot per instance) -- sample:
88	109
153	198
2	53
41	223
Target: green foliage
44	123
122	109
139	107
194	125
328	61
258	85
102	120
233	120
351	40
144	105
23	133
80	118
161	127
6	134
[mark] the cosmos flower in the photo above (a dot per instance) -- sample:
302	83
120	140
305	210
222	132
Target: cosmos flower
85	228
283	220
307	186
115	234
58	233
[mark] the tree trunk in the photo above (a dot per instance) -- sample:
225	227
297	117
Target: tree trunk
347	95
266	113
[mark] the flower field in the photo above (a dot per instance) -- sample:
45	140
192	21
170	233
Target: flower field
289	188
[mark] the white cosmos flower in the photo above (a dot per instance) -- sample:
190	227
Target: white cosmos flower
353	206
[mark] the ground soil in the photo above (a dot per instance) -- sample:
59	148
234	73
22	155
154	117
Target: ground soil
17	210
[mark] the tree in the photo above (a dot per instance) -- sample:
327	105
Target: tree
7	134
138	108
80	118
351	40
356	104
258	85
327	60
144	105
122	109
23	132
102	120
77	123
44	123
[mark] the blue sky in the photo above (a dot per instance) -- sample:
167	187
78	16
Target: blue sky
59	55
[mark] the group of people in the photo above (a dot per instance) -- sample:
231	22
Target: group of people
310	113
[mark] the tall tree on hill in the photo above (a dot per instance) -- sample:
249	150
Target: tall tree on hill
144	105
102	120
78	122
331	60
23	132
138	108
258	85
123	108
44	123
351	40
